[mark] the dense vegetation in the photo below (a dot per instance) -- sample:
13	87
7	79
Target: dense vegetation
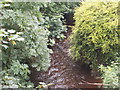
96	38
27	28
24	18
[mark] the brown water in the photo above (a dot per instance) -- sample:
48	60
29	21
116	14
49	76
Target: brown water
65	72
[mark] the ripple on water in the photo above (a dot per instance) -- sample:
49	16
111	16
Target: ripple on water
52	70
61	86
60	80
55	75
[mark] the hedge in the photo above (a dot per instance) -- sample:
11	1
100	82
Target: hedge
95	37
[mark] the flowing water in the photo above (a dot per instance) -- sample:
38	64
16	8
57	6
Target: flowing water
65	72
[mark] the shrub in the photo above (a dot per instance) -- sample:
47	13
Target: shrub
96	35
36	36
16	76
110	75
54	17
25	32
22	17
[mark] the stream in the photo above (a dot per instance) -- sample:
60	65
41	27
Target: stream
65	72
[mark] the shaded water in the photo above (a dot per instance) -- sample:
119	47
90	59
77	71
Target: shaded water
65	72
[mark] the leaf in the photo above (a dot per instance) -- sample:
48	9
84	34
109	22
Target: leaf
34	64
3	35
20	39
11	31
6	5
5	42
5	46
8	0
19	33
13	42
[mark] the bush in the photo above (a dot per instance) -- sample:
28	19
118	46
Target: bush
25	32
36	36
96	37
54	17
110	75
16	76
19	17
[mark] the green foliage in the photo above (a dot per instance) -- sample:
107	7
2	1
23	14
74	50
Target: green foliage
57	8
34	48
54	13
55	26
96	35
36	36
10	36
25	33
111	75
16	76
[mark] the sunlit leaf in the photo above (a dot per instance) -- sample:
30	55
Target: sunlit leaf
5	46
11	31
13	42
20	39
